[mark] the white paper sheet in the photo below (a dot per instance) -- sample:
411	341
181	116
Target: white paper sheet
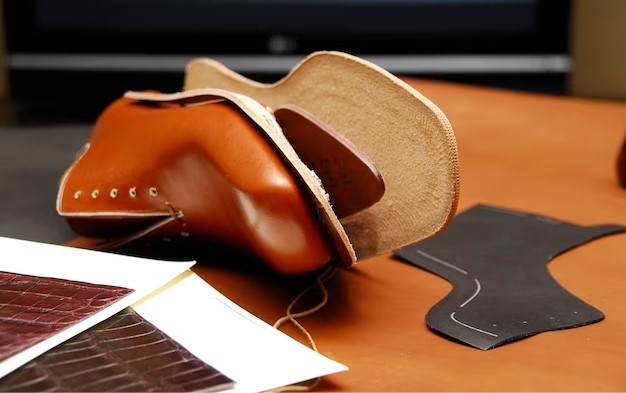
181	304
55	261
248	350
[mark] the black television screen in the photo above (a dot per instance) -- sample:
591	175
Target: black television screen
286	27
67	42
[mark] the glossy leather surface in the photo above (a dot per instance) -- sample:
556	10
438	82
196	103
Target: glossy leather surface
205	171
123	353
34	308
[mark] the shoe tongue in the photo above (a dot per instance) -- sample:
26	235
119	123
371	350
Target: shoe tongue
351	179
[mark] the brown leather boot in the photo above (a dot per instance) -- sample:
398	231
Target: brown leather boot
337	162
159	171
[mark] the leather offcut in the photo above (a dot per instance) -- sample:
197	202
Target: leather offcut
34	308
496	260
124	353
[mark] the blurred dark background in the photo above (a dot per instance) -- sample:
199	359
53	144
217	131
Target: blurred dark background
69	58
63	61
81	54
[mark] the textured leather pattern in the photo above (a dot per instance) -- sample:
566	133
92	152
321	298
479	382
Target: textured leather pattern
34	308
123	353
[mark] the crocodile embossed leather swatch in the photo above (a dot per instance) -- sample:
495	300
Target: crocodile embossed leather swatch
123	353
34	308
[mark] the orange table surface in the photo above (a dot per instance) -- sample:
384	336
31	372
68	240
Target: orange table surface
542	154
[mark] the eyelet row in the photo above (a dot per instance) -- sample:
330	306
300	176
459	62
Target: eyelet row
113	193
132	193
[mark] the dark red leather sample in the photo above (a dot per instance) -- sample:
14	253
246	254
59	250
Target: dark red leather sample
123	353
34	308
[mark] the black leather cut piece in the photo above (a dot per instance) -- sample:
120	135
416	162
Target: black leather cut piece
123	353
496	260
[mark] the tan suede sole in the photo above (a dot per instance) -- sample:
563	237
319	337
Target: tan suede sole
407	136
